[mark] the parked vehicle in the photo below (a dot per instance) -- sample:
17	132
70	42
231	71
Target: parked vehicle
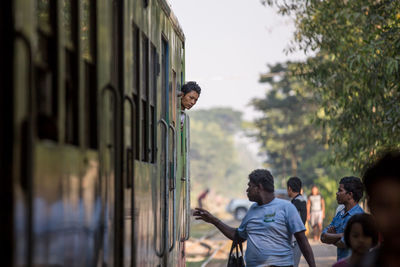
239	207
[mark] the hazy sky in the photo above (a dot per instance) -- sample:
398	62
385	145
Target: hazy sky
228	45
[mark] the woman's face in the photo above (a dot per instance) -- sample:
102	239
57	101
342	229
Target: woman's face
359	242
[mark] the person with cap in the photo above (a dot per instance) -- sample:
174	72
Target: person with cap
268	226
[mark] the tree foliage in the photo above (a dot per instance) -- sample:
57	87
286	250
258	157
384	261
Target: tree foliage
218	160
354	72
293	145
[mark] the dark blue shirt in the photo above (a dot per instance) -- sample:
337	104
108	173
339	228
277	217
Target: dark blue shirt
339	222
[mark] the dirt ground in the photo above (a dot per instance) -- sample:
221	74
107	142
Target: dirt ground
325	255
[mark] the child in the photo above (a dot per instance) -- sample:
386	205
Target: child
360	235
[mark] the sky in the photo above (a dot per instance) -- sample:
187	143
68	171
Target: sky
228	45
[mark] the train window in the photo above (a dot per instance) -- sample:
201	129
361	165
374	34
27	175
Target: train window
70	18
164	79
71	99
88	48
128	108
153	100
135	123
145	96
88	30
43	15
172	98
136	86
91	130
45	66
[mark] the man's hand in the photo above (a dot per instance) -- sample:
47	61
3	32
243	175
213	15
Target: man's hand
202	214
340	244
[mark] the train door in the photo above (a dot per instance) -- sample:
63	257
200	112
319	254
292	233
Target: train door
128	129
172	162
108	150
161	227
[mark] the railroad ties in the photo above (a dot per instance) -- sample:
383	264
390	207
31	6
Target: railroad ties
210	248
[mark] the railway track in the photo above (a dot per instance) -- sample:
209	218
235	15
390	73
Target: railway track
206	248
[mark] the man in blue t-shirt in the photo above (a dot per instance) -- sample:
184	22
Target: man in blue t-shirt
349	193
268	226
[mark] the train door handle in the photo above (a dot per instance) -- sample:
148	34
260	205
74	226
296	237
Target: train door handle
173	187
166	195
187	178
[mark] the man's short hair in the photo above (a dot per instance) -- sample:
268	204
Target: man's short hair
295	184
368	227
387	167
263	177
354	185
191	86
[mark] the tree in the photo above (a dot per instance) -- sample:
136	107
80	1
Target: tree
284	130
293	145
218	161
355	71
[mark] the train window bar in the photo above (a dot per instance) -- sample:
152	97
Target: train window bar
144	95
136	89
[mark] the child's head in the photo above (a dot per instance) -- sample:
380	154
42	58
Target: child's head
360	233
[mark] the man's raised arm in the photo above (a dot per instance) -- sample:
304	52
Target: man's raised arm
202	214
305	248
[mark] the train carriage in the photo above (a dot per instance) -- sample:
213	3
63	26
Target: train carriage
94	153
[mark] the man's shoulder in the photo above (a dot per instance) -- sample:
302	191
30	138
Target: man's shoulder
356	209
299	198
284	204
279	201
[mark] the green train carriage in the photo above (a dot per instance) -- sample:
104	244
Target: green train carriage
96	163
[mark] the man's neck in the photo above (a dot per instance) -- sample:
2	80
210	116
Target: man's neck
348	206
266	198
295	194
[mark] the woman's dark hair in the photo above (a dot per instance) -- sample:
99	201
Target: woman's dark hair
387	167
354	185
295	184
263	177
368	227
191	86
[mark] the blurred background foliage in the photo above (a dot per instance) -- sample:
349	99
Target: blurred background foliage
220	157
290	142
